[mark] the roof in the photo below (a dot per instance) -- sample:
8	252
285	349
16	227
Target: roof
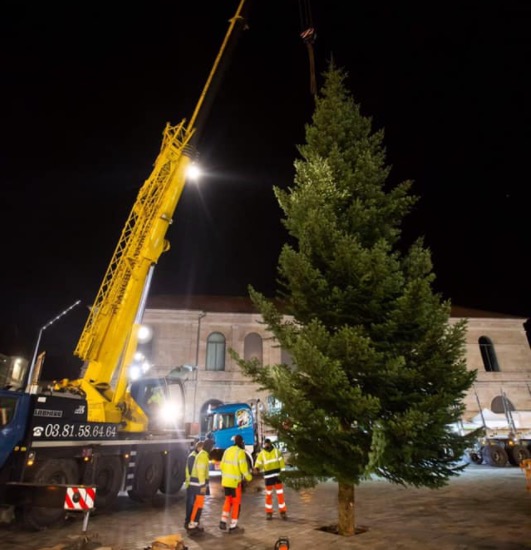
243	304
214	304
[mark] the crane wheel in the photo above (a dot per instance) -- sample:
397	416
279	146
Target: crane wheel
517	453
476	458
173	477
147	477
53	471
494	455
106	474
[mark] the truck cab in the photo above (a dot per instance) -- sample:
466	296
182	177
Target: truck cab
224	422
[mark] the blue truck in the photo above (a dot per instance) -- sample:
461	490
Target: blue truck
226	421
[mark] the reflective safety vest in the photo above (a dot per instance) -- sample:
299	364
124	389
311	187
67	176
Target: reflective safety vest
197	469
234	466
271	462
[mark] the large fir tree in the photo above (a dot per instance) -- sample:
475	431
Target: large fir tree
378	373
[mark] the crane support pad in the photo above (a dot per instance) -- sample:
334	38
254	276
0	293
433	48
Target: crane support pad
47	495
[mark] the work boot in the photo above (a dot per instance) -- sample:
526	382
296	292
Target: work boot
236	530
222	525
284	515
195	531
269	516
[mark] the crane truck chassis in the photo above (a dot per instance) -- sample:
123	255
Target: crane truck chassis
102	430
61	448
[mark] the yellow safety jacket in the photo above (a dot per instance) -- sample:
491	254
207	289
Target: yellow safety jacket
234	466
197	469
271	462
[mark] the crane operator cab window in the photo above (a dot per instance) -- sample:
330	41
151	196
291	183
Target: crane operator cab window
154	397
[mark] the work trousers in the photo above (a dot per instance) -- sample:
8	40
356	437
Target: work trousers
194	505
232	505
274	484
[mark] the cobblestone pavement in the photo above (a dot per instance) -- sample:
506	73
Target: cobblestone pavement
484	509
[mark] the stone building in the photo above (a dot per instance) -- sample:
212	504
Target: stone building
192	336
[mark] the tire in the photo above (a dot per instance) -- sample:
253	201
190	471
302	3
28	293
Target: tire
476	458
53	471
517	453
494	455
106	473
148	477
173	477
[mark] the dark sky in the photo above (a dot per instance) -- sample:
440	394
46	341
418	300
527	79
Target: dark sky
88	87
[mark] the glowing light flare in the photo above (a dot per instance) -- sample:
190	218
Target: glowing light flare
170	412
134	372
144	334
193	172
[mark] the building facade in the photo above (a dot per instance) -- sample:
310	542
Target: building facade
193	335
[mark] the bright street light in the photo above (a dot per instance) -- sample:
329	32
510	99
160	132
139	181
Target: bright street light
36	351
193	173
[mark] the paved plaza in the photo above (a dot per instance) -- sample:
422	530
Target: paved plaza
485	509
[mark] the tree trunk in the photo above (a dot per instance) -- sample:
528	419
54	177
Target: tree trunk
346	509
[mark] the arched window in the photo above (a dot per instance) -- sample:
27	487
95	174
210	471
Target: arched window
215	353
252	347
488	354
501	404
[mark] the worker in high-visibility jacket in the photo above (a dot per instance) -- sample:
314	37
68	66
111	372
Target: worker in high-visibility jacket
234	469
271	462
196	483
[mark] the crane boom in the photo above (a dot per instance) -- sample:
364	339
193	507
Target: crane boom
109	338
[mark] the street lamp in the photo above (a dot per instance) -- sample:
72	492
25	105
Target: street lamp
41	330
200	316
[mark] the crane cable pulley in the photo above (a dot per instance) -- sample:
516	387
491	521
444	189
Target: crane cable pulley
308	36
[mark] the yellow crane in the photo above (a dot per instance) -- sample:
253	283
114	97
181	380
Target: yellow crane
109	338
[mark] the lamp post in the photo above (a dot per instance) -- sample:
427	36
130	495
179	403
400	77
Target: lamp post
201	315
41	330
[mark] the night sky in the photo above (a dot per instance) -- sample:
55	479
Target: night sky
88	87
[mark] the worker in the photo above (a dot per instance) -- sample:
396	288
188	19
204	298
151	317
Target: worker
156	398
196	483
234	468
271	462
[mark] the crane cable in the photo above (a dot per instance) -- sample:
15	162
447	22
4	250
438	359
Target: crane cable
308	36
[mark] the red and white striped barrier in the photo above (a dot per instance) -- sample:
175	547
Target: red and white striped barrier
80	498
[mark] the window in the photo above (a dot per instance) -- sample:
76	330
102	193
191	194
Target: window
215	356
273	404
252	347
488	354
500	404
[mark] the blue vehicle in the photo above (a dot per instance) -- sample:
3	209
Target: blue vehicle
227	420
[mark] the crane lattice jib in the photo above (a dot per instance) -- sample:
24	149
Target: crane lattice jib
108	330
141	244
